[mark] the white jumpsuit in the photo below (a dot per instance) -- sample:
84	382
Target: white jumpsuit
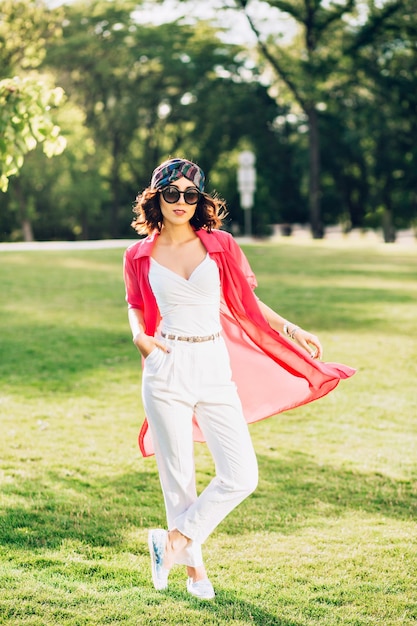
194	378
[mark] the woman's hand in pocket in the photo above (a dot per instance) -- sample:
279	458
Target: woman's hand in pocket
146	344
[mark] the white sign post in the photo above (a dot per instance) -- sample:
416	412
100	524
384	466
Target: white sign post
246	184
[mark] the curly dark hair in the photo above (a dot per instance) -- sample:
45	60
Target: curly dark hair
210	212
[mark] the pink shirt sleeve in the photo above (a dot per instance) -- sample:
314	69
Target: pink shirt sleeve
243	262
133	295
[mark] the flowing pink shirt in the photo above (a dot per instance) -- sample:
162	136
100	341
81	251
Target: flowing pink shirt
271	373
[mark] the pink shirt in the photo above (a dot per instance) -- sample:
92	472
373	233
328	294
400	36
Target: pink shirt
271	372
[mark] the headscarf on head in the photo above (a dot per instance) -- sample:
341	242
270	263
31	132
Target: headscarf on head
173	169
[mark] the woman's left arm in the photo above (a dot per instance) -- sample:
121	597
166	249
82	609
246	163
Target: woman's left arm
304	339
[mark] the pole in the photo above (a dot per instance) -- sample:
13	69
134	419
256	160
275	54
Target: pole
246	182
248	222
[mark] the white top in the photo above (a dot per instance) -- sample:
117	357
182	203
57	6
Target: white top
188	307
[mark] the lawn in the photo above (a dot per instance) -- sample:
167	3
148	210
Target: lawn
329	538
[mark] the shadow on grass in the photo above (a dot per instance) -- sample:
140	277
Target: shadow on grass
229	607
101	512
56	360
293	493
90	510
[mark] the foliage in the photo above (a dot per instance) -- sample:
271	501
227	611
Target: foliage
26	98
342	71
304	70
134	89
185	91
328	538
62	197
386	68
26	26
139	92
371	120
25	121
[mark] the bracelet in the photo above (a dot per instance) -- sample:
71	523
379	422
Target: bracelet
294	330
290	333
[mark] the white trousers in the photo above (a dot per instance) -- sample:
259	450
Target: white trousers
195	379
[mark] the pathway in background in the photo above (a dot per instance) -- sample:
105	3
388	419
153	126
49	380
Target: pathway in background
404	237
333	233
63	245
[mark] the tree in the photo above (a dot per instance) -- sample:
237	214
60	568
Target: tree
25	121
63	197
152	91
122	74
26	97
370	123
305	69
383	53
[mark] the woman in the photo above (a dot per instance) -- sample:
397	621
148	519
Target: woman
215	359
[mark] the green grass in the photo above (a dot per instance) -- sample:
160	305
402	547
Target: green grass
328	538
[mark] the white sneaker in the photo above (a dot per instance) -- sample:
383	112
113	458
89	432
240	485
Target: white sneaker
157	540
202	589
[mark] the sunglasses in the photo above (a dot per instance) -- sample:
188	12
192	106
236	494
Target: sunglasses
173	194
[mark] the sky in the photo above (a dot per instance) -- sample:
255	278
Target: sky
266	17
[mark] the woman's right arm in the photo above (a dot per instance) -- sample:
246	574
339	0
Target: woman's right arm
144	343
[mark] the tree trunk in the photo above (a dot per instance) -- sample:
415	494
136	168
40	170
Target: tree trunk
314	194
22	202
114	207
27	230
388	227
84	225
115	189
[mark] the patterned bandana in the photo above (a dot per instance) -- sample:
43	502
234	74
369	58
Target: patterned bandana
173	169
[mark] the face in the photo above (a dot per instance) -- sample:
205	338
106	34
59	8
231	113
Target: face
179	212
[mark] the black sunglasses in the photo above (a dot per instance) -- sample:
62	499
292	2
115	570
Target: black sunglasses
173	194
